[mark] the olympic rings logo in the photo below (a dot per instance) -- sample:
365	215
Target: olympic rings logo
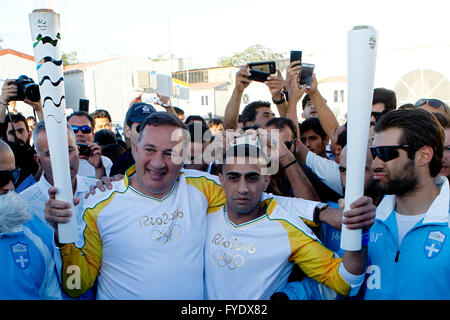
170	233
226	259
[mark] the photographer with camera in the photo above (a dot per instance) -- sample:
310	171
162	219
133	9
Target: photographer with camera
22	89
92	163
14	128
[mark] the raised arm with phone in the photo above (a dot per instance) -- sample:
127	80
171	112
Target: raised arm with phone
159	99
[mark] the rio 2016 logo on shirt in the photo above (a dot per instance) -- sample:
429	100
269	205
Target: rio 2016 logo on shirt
234	244
434	243
165	218
170	233
20	255
227	259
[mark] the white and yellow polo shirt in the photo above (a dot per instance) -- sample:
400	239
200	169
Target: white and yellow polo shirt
141	247
254	260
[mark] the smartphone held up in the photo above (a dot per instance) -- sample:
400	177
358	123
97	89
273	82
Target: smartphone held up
260	71
306	75
296	56
151	98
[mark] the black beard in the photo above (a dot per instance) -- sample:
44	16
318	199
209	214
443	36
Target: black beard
401	184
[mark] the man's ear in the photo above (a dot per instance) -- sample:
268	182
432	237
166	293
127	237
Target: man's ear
37	159
424	156
267	180
220	177
136	148
338	150
126	131
326	140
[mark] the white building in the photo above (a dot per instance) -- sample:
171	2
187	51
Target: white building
208	99
413	73
109	84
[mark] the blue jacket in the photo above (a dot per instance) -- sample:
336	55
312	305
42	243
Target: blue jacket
330	236
420	267
27	269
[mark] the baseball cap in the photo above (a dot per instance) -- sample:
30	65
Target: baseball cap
138	112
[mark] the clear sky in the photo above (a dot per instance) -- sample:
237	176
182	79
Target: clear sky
208	29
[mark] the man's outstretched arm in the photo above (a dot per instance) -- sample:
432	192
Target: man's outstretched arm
232	110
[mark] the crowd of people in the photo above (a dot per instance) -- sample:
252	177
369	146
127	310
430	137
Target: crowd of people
245	207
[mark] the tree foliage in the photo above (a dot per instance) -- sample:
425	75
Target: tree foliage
253	53
70	58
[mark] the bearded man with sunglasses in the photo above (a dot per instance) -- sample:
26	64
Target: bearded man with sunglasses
409	250
92	163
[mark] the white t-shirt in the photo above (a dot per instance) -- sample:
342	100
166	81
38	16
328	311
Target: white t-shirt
87	170
254	259
139	247
406	223
327	170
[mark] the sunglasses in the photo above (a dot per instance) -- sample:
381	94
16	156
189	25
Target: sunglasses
138	128
290	143
9	175
387	153
84	129
435	103
376	114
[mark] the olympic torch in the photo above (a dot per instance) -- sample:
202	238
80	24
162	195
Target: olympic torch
362	51
46	39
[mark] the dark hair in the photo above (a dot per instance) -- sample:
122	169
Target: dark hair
386	96
178	110
280	123
83	114
113	151
195	128
195	118
104	137
214	122
314	125
31	118
161	118
407	106
249	112
444	120
342	138
305	100
420	128
101	113
16	118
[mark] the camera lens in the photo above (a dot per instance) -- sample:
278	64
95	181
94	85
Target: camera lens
32	92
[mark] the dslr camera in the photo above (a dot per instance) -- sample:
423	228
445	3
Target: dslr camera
26	88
